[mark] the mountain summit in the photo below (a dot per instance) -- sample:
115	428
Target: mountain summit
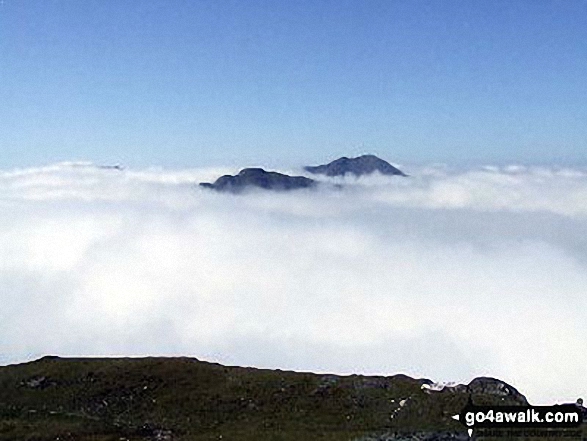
257	177
362	165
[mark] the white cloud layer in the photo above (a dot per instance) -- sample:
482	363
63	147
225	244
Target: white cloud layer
446	275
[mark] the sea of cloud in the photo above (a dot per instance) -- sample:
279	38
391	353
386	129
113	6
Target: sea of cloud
448	274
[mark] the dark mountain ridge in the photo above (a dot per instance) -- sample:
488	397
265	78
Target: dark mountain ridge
256	177
361	165
259	178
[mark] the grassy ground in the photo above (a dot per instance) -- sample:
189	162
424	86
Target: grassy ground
186	399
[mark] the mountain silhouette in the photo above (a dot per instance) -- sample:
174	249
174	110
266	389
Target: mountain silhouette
259	178
362	165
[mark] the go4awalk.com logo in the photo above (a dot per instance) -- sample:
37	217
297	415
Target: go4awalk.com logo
565	416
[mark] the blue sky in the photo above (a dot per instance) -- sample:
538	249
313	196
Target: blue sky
191	83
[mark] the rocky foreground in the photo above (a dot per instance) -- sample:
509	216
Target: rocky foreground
187	399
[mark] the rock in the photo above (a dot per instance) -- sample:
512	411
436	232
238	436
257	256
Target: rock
454	388
361	165
39	382
418	436
492	386
259	178
154	433
326	383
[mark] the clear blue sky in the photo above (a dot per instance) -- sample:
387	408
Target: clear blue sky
189	83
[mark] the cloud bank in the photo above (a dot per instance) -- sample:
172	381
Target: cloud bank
448	274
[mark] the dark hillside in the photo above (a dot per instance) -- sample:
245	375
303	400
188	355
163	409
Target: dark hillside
186	399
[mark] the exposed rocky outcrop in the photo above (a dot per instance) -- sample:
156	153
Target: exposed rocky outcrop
486	386
362	165
482	390
259	178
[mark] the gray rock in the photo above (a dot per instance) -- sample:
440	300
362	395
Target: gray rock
39	382
493	386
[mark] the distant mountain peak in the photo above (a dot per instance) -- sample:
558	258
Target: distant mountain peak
258	178
361	165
